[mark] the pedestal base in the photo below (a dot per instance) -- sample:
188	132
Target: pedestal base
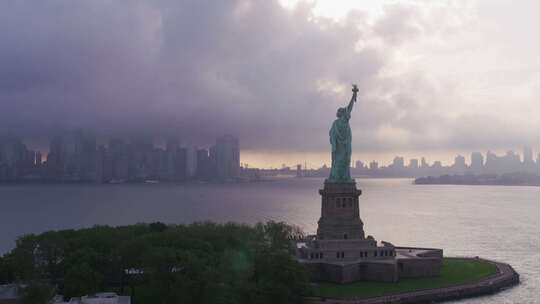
341	253
340	213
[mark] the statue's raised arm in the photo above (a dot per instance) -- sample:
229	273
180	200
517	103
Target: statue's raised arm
353	99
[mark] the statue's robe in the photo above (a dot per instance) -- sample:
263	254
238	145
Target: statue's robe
340	138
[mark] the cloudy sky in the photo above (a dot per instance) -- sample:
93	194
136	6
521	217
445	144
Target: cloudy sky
435	77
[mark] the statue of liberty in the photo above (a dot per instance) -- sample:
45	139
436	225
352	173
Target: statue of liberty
340	139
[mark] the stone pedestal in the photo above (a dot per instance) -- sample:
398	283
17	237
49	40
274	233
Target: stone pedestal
341	253
340	213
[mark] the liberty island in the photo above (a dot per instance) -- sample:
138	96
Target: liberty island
340	252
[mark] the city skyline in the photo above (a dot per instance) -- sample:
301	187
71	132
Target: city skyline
527	156
276	159
77	156
316	160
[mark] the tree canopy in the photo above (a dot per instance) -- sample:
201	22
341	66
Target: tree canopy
158	263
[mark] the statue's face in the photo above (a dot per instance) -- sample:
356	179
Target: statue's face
340	112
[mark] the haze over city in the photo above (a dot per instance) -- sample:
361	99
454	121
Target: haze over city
436	78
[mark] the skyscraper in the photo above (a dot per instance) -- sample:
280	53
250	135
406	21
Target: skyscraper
424	163
191	162
477	162
491	165
373	165
38	159
85	156
117	162
226	155
511	162
528	161
17	161
459	164
413	164
398	162
204	168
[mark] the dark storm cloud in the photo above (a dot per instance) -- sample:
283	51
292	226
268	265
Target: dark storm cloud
196	68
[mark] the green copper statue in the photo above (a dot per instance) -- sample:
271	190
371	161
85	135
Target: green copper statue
340	138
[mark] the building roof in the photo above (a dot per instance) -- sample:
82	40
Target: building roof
9	292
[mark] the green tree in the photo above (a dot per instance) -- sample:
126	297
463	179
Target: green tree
5	272
49	255
23	258
278	235
82	280
36	293
157	227
280	279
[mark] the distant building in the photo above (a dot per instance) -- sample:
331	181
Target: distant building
528	156
178	164
226	156
204	165
413	164
373	166
39	159
424	164
491	162
399	162
477	162
299	171
191	162
16	161
509	163
85	156
116	161
459	165
528	161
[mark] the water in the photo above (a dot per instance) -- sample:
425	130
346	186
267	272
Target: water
500	223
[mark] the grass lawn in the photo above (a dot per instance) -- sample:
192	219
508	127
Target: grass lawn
453	272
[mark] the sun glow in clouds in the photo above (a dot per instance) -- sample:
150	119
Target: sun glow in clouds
339	8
